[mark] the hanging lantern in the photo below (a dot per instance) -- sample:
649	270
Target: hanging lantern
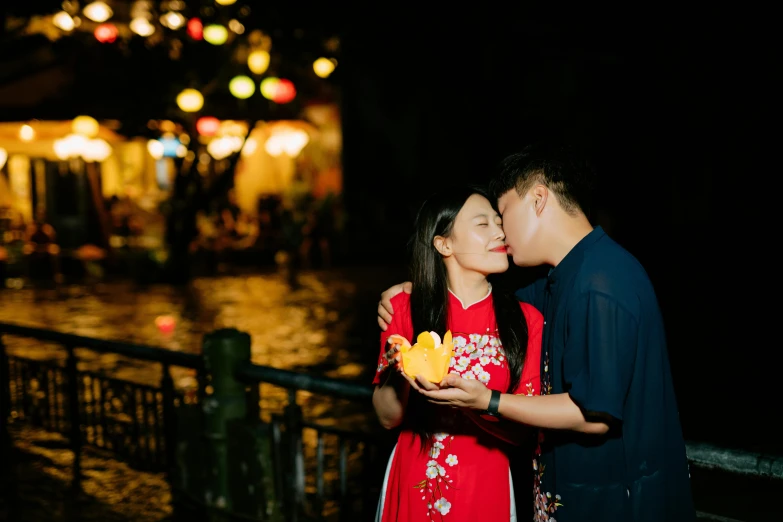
236	26
284	92
208	125
142	27
64	21
269	87
215	34
225	2
258	61
85	126
106	33
190	100
323	67
195	29
173	20
98	12
242	87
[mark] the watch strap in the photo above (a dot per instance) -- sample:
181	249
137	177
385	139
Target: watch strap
494	404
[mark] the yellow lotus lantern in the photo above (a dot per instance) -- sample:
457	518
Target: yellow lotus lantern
429	357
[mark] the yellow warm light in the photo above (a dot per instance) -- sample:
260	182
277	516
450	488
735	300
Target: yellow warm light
26	133
258	61
85	125
96	151
155	148
190	100
3	157
225	2
215	34
286	140
242	87
142	27
323	67
173	20
98	12
79	146
269	87
64	21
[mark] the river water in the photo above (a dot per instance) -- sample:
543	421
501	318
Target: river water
325	324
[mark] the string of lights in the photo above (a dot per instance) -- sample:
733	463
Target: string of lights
250	57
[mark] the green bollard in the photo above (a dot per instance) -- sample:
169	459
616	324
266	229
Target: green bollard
224	401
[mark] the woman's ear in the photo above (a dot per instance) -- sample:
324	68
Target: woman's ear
442	245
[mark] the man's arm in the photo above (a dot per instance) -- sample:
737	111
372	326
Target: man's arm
509	431
555	411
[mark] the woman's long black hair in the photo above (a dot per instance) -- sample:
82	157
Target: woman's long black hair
430	295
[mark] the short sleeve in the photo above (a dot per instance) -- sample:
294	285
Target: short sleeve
600	354
401	325
530	382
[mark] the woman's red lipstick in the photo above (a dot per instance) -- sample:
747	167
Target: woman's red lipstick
500	249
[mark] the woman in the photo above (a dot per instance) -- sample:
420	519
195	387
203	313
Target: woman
452	465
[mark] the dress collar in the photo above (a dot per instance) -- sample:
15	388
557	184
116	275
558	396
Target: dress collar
464	307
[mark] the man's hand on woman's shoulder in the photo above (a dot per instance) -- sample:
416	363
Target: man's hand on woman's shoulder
385	309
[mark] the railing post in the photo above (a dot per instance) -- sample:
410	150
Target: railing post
75	420
5	400
293	419
224	401
169	420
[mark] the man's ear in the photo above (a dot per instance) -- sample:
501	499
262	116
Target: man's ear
540	196
442	245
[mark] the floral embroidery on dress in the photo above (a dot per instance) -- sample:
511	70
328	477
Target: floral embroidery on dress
473	354
438	481
545	505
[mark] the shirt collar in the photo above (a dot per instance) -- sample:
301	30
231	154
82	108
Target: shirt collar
573	258
489	292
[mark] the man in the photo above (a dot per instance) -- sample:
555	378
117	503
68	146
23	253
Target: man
611	446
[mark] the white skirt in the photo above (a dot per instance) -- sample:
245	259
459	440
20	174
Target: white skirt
382	500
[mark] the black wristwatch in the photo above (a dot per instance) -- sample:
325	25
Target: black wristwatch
492	413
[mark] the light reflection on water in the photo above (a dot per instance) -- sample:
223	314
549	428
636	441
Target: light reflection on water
323	326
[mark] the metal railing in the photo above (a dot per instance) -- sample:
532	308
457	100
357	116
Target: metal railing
302	469
148	426
128	419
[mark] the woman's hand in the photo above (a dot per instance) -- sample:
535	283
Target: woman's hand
457	392
394	364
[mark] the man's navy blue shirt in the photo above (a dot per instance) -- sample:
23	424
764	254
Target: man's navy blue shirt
604	344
